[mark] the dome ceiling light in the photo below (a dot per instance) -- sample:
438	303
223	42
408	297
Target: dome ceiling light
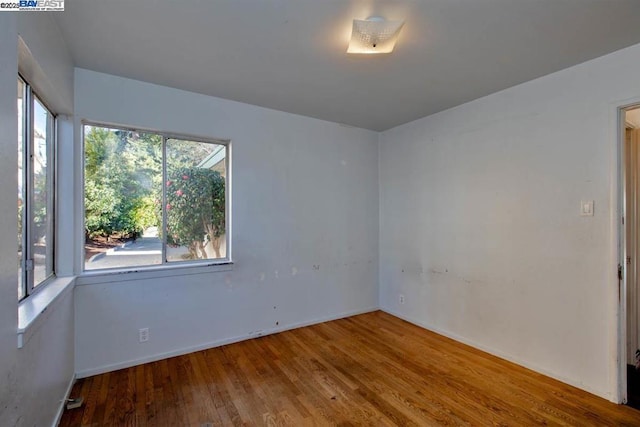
374	35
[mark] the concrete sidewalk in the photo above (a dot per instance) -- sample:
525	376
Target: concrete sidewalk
145	250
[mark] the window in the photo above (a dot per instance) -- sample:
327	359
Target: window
151	199
36	141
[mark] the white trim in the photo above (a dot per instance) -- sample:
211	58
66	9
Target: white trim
228	201
167	134
90	277
63	402
499	354
217	343
32	309
618	378
163	195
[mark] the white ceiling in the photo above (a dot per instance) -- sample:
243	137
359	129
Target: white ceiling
290	54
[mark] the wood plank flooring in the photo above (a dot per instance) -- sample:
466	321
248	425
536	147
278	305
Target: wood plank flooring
372	369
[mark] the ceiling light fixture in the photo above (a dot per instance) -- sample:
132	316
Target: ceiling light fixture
374	35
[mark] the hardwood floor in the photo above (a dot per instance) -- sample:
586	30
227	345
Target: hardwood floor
372	369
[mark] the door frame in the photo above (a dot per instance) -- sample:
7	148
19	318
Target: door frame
620	246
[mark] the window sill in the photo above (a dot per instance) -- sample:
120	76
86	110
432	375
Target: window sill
152	272
31	309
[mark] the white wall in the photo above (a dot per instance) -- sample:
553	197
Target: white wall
33	379
305	194
480	225
44	40
8	230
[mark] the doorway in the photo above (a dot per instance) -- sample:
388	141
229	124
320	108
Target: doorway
631	156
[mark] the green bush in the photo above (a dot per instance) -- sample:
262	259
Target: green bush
122	182
144	213
195	209
100	203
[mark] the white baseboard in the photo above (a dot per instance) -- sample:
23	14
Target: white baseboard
63	402
502	355
217	343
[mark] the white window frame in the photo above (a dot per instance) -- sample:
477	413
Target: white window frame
29	287
164	265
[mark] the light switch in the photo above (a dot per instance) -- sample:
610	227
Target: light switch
586	208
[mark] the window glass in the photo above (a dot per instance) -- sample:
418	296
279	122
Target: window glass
195	196
42	226
21	196
36	142
123	191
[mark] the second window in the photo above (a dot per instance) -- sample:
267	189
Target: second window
153	199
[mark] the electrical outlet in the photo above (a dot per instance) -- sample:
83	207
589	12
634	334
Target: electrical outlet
401	299
143	335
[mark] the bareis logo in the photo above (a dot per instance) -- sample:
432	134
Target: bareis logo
41	3
33	5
